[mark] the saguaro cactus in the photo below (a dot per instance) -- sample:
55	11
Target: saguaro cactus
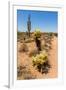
29	25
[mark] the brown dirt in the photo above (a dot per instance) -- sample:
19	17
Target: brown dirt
24	59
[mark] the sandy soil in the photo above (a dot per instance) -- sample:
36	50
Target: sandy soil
24	59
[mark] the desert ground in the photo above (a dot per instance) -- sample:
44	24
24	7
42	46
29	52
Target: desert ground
24	59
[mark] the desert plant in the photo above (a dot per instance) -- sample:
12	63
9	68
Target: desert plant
39	58
24	72
29	25
37	35
23	47
55	34
29	40
20	70
41	62
48	39
33	52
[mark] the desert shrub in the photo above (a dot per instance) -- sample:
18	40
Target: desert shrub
23	48
20	35
48	41
41	62
47	46
28	75
20	70
55	34
29	40
24	72
33	52
50	34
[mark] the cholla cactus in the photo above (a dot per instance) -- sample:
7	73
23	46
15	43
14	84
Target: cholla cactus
40	58
40	61
37	35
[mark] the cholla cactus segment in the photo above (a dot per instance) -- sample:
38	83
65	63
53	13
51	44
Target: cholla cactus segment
37	33
40	58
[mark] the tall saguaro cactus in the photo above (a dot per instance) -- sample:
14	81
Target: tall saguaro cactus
29	25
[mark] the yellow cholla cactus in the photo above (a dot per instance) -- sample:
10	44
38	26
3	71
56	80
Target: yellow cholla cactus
37	33
40	58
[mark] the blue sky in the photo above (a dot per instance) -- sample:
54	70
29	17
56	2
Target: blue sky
46	21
